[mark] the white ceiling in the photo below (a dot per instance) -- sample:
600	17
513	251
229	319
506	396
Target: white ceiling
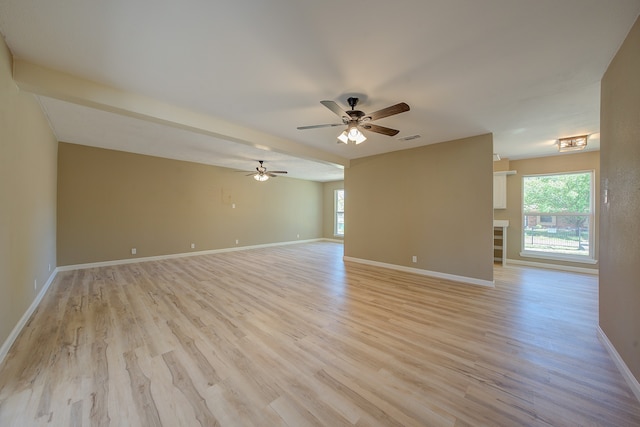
527	71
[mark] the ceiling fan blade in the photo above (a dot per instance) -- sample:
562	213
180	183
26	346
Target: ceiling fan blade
335	108
380	129
251	174
320	126
389	111
277	171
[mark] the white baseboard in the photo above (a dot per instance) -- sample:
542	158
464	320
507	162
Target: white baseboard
594	271
452	277
334	240
181	255
6	345
622	367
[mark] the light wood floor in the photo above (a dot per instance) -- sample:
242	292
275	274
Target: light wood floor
292	336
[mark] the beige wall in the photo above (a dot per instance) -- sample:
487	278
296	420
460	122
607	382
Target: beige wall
111	201
27	199
328	209
573	162
435	202
620	220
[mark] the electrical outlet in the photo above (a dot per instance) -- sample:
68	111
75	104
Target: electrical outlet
35	285
297	236
237	241
193	246
49	267
233	205
414	259
133	251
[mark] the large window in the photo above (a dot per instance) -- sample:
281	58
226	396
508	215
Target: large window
339	208
558	216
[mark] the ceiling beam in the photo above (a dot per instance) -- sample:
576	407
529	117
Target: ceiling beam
65	87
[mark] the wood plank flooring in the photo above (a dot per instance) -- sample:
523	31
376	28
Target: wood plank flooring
293	336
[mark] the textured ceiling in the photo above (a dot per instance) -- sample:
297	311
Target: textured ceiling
527	71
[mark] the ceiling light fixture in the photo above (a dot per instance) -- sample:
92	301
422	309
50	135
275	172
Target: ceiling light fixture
573	143
352	134
261	177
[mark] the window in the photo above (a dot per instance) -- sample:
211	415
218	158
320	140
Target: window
547	220
339	208
558	216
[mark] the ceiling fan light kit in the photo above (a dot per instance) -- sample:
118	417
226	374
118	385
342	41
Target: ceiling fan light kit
354	135
356	120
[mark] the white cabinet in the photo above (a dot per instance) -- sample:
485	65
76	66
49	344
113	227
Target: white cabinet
499	190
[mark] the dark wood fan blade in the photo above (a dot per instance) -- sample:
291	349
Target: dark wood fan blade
335	108
320	126
277	171
380	129
389	111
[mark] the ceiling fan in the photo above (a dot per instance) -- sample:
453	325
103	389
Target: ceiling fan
262	174
356	120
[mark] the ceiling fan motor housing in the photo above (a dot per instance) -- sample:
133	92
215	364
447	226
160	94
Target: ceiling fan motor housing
354	114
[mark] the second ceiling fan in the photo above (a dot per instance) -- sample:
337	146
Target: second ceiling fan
262	174
356	120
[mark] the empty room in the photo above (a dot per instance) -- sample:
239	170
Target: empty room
278	213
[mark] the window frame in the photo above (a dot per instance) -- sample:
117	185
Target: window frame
585	259
336	212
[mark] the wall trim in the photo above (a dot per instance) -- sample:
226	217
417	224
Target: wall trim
573	269
558	257
436	274
336	240
15	332
179	255
622	367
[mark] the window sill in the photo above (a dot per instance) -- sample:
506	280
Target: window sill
559	257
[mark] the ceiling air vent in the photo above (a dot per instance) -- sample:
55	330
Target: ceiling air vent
409	138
